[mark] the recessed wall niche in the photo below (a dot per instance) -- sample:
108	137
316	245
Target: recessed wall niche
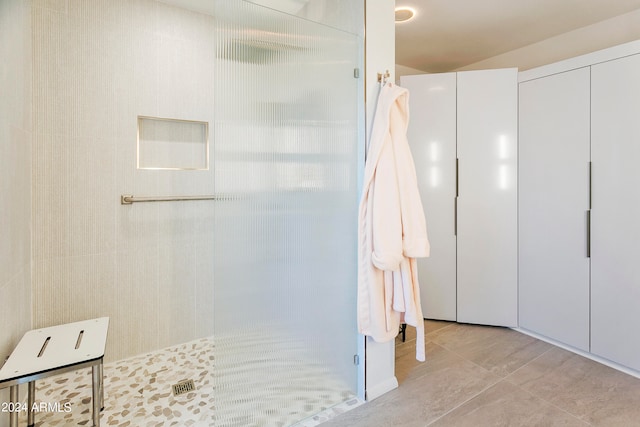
172	144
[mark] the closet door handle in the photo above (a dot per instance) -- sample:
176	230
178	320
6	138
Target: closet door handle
457	177
590	182
455	200
455	216
589	233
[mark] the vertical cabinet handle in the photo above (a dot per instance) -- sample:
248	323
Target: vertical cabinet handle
590	183
589	210
455	216
455	202
589	233
457	178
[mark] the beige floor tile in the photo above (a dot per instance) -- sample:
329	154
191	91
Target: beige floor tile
591	391
391	409
432	389
430	326
506	405
499	350
409	345
434	325
461	384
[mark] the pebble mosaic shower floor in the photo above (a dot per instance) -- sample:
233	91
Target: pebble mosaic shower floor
138	389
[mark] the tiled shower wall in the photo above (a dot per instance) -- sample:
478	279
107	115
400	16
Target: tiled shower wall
15	176
97	65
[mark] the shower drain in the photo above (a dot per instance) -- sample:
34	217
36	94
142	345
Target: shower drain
184	386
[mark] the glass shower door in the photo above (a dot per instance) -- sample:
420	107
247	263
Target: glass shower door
285	156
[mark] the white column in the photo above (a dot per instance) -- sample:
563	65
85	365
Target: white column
380	56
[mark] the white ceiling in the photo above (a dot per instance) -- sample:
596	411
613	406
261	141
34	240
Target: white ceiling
448	34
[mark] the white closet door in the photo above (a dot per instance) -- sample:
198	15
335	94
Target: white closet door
487	202
553	203
432	137
615	263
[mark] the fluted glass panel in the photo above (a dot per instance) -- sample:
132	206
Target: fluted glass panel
285	146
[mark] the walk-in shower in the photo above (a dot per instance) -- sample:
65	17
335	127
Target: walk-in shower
250	293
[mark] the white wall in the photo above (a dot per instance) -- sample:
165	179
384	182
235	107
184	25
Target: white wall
611	32
380	56
15	177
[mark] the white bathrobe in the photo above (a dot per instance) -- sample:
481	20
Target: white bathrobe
392	228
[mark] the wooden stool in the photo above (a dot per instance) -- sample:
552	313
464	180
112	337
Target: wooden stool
55	350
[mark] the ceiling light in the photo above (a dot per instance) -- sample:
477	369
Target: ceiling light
404	14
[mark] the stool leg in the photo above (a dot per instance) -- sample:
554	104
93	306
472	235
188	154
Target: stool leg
101	385
31	417
13	398
95	374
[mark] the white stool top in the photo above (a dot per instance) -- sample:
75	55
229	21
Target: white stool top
51	348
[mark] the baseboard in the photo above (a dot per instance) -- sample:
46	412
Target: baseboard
582	353
381	388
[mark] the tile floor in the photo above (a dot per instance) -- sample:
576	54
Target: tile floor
475	376
481	376
261	380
